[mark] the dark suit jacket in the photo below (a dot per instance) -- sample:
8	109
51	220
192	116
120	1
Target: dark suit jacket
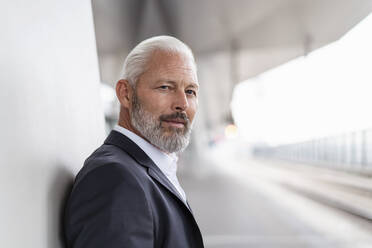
121	199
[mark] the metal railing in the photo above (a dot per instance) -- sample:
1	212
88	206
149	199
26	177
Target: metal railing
348	151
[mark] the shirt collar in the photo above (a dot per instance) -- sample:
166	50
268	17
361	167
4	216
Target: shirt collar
167	163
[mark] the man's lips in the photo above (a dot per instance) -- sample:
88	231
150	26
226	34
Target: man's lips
176	122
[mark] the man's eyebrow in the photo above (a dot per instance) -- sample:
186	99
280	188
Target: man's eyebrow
164	80
193	85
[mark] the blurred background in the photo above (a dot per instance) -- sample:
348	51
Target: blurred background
281	151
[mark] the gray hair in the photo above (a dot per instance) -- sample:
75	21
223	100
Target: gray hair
135	63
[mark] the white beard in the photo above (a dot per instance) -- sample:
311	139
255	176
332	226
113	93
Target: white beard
150	127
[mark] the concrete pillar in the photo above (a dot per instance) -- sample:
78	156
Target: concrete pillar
50	114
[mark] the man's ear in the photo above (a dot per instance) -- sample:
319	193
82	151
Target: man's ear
124	92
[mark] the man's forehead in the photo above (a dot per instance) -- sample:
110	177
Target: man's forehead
172	64
171	58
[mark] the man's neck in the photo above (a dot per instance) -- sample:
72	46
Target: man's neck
127	125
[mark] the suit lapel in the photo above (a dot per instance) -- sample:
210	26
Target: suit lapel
159	176
126	144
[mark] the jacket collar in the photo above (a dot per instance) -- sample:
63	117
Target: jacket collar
120	140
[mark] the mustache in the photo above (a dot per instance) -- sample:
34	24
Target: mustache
176	115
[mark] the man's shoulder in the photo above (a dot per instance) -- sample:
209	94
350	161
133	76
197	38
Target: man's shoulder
110	159
107	153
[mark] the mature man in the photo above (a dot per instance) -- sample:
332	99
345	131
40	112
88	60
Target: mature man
127	194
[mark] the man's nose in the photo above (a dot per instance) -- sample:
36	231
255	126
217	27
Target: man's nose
180	102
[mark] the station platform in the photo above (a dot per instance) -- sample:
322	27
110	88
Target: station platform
244	202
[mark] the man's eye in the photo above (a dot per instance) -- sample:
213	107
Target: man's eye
191	92
164	87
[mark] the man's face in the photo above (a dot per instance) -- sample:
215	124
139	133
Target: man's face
165	101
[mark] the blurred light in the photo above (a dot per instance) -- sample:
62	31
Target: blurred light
108	97
231	131
328	92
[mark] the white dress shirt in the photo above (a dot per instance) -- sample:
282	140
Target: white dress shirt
167	163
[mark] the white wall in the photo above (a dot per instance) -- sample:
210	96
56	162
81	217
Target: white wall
50	113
